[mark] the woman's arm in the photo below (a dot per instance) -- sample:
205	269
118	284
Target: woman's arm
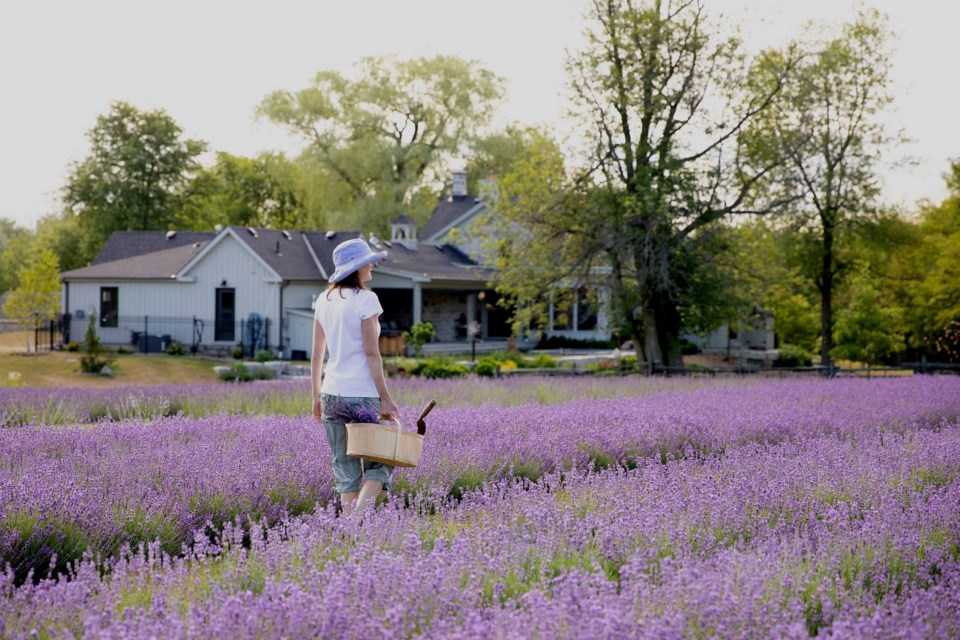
316	364
371	349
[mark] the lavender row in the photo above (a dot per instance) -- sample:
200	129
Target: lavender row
66	490
24	406
818	536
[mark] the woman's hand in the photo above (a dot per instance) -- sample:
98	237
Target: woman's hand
316	410
388	409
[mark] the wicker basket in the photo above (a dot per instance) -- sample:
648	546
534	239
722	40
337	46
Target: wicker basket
384	443
387	443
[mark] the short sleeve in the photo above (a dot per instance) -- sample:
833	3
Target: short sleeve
369	305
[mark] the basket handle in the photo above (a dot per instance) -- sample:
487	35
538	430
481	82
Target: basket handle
421	424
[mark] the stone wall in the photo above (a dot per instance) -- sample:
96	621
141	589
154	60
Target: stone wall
443	309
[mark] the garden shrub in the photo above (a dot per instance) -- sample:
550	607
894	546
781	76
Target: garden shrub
687	348
560	342
262	356
486	367
237	373
263	373
175	348
791	356
95	358
73	346
543	361
237	353
440	367
420	334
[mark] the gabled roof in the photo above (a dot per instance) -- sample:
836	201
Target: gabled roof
293	255
285	252
323	246
444	262
127	244
163	264
403	219
446	213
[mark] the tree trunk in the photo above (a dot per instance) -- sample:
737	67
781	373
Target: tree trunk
668	331
651	346
826	296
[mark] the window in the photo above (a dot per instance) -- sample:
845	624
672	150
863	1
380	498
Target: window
586	311
108	307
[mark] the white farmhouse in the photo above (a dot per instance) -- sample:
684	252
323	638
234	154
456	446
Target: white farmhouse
255	287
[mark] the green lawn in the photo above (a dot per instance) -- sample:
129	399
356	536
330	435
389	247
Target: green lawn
62	369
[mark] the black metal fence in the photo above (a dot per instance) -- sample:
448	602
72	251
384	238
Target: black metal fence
154	334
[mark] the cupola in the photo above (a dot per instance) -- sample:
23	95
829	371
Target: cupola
403	231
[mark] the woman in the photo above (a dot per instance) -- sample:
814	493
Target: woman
351	387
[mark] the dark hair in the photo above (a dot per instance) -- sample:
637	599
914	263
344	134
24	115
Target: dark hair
352	281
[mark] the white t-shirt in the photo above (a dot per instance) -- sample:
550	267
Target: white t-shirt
346	372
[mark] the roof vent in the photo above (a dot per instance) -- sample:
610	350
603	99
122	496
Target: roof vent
438	247
330	235
286	234
218	228
252	231
171	235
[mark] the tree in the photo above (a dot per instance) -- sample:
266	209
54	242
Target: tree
134	177
95	356
15	247
767	262
868	326
826	124
658	89
387	135
252	192
37	297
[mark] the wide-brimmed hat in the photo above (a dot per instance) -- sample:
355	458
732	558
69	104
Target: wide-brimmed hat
351	255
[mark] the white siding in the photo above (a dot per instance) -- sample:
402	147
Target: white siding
300	295
388	281
300	328
256	287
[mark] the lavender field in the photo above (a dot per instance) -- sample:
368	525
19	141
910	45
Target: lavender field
602	508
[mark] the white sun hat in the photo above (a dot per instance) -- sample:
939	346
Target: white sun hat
351	255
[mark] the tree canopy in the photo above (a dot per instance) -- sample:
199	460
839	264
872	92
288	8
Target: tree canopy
134	176
37	297
388	134
827	128
658	90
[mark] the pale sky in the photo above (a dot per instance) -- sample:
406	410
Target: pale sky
210	62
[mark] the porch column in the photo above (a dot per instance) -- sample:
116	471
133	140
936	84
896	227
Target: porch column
576	310
471	309
417	303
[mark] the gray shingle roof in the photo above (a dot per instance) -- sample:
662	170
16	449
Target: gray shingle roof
323	246
149	266
286	253
127	244
288	256
446	212
436	262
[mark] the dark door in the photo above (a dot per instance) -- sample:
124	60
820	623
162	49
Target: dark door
224	319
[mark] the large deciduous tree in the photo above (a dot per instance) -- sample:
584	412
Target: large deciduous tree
827	125
657	88
37	297
252	192
134	176
387	134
